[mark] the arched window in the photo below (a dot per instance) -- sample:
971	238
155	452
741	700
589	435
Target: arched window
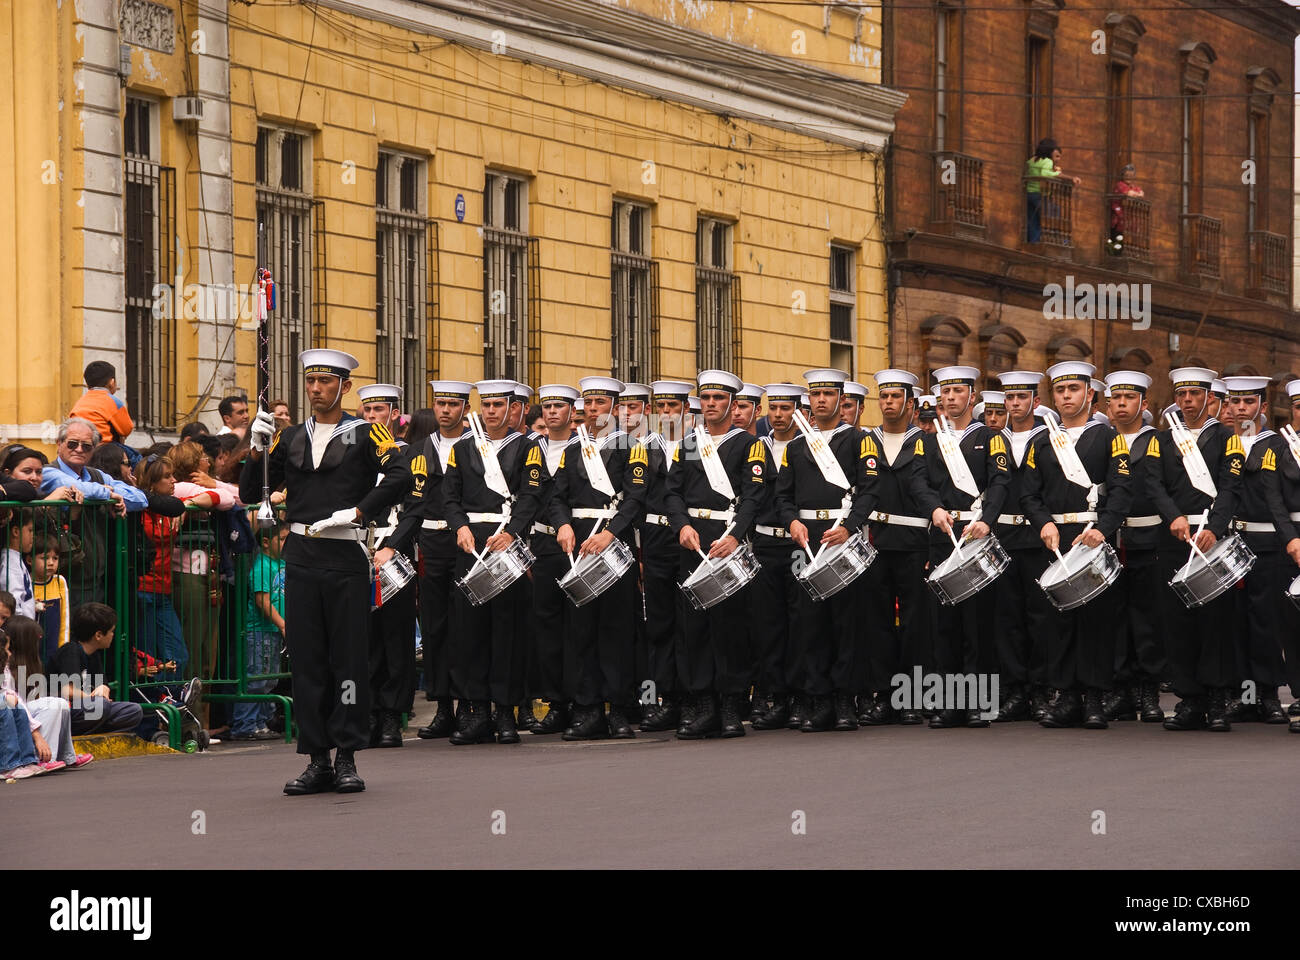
999	351
1130	358
941	339
1279	401
1065	347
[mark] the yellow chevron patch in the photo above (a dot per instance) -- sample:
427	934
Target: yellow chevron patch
1270	460
997	445
1119	446
639	455
420	466
1153	448
1029	460
920	448
868	448
785	462
1234	447
451	458
756	453
534	458
562	453
383	439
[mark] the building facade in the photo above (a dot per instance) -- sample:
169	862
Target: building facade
538	190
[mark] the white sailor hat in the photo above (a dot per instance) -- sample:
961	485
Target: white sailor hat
334	362
1020	380
450	389
1192	377
927	400
1098	385
380	393
750	391
671	389
854	389
824	377
635	391
1071	370
1106	393
888	378
1293	389
718	380
694	404
491	389
1127	380
600	387
783	391
956	374
1246	386
1146	417
805	399
977	411
523	392
578	405
995	399
1217	386
552	392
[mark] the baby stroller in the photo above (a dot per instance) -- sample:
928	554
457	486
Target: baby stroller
193	736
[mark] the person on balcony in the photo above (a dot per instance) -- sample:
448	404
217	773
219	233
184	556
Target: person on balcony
1124	187
1046	162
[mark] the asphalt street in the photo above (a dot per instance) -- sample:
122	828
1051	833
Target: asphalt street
1012	795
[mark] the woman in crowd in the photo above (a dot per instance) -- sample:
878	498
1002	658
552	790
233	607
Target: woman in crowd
49	717
24	463
108	458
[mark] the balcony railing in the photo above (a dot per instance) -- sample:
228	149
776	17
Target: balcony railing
1270	267
958	189
1130	227
1201	242
1049	211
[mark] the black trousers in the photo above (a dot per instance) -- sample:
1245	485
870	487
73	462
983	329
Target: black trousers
1079	645
436	595
524	667
487	642
392	653
663	613
1199	641
713	648
1139	644
598	663
1021	612
1259	619
965	634
826	643
900	640
770	603
327	629
551	614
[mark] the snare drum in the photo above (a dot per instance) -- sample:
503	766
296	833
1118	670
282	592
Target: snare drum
714	580
393	576
1293	591
595	573
496	571
836	567
1199	580
968	569
1081	575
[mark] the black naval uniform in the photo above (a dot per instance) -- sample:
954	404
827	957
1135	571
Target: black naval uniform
660	554
1140	662
713	652
1079	644
826	666
1264	523
598	644
964	635
1289	476
1202	659
488	640
551	608
328	578
1021	606
896	605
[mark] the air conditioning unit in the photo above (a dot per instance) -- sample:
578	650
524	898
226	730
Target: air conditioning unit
187	108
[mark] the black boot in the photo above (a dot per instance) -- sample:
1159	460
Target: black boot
911	718
865	702
346	779
526	719
820	716
507	728
1294	725
1294	709
662	716
1150	709
1094	714
588	722
975	719
881	713
442	724
317	778
798	711
390	731
619	727
946	719
1015	706
1270	707
1189	714
1065	709
1037	703
776	716
474	724
846	712
556	719
1117	704
705	720
731	721
685	715
1234	710
1216	711
759	705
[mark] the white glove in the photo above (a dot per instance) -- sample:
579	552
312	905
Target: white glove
339	518
261	430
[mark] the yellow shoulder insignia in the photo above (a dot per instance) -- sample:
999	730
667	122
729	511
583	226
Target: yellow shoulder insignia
561	465
785	461
869	447
1153	448
997	445
1119	446
383	439
1235	447
274	442
534	458
756	453
420	466
639	455
451	458
1029	460
1270	460
920	448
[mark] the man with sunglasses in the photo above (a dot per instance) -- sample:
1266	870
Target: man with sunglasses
76	441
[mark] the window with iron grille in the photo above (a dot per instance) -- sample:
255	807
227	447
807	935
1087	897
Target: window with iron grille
285	244
401	274
843	297
150	215
717	323
511	338
633	293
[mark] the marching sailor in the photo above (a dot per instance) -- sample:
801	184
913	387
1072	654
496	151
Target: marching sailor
599	497
660	557
967	466
995	409
745	409
825	489
527	720
633	405
492	492
714	488
328	467
1140	662
1290	476
853	406
1195	487
1076	489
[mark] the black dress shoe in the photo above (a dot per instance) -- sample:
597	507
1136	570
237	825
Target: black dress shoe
1270	711
1037	703
865	702
798	711
879	713
1236	711
777	715
442	724
1294	725
589	723
1065	709
1189	714
759	704
946	719
620	728
1094	714
975	719
705	720
1294	709
390	731
1216	711
474	724
317	778
658	717
556	719
731	721
820	716
526	720
911	718
507	729
1117	705
685	715
346	779
846	712
1149	708
1014	707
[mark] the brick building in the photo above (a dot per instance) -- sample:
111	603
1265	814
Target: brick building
1197	97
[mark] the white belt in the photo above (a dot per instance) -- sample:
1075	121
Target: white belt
1249	526
1013	519
704	513
657	520
329	533
1199	518
835	513
779	532
543	528
487	517
959	515
1142	521
895	520
434	524
592	513
1081	517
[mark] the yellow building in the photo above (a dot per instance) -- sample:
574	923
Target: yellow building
538	189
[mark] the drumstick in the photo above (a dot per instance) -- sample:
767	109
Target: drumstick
956	547
838	520
479	556
1065	567
731	526
1195	549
